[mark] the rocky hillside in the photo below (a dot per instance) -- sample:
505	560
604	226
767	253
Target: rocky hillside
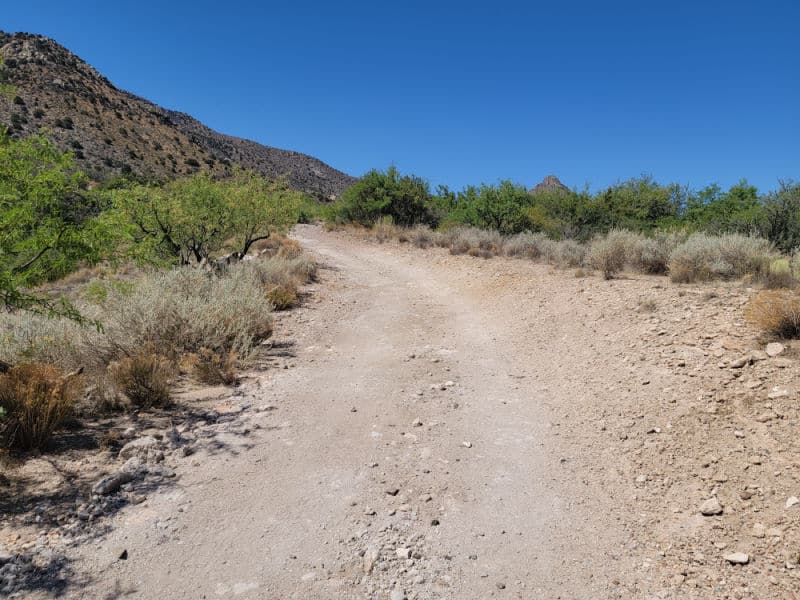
113	132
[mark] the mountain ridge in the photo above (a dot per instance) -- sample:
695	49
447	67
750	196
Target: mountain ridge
114	132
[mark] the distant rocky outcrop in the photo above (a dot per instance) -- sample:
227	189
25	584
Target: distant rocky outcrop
114	132
551	183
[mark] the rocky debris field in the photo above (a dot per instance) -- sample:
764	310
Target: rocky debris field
450	427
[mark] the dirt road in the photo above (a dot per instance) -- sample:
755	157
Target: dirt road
445	427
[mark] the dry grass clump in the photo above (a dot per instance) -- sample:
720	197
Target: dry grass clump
529	245
569	253
384	229
609	254
283	296
277	245
648	305
776	312
779	275
703	257
422	236
214	367
474	241
35	400
651	254
144	378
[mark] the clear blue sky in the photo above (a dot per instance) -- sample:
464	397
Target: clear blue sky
463	92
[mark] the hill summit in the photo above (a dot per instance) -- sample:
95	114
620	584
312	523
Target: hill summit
549	184
113	132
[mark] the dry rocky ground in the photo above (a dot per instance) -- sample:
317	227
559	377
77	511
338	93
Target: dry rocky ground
449	427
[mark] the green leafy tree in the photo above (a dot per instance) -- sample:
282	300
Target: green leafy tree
48	222
183	221
188	220
782	217
500	207
404	198
639	203
259	208
739	210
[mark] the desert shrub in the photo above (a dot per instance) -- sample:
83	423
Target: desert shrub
283	296
529	245
569	253
384	229
776	312
290	249
474	241
779	275
32	338
170	313
144	378
278	271
609	254
278	245
422	236
703	257
214	367
35	400
651	254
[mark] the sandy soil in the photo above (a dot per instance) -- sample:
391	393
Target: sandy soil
452	427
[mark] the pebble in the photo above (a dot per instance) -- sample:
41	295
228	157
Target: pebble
371	556
112	483
791	501
711	507
403	552
466	444
739	362
397	595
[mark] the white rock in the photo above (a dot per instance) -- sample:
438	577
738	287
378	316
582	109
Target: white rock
466	444
403	552
142	448
759	530
791	501
777	393
775	349
737	558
